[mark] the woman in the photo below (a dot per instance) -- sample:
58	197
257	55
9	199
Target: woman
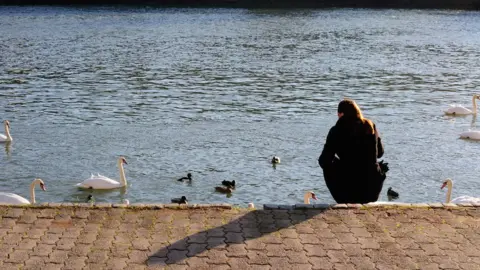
349	157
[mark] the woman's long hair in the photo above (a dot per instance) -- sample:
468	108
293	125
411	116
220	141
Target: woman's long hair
351	110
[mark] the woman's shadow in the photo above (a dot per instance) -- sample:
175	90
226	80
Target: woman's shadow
250	226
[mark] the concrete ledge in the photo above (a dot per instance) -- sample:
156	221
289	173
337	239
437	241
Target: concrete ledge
365	206
131	206
229	206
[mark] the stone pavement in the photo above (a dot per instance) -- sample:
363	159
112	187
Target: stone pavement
142	237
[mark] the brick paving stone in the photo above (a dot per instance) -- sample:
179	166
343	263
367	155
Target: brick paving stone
315	250
197	250
135	238
292	244
236	250
216	256
320	263
74	263
256	257
337	256
238	263
275	250
298	257
279	263
18	257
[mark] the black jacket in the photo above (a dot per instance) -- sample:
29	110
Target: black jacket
349	162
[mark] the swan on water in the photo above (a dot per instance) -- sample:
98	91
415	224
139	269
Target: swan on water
471	135
309	195
12	198
7	137
460	110
102	182
462	199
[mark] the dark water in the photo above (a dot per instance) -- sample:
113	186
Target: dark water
218	92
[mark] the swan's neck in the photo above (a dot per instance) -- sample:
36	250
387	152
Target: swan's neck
7	133
32	191
123	180
306	198
449	192
474	101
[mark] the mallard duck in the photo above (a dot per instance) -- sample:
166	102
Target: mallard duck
187	178
90	199
224	189
229	183
391	193
182	200
275	160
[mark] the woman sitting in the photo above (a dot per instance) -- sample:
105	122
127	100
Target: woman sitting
349	157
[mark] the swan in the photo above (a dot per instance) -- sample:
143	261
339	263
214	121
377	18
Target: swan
12	198
462	199
471	134
460	110
7	137
102	182
309	195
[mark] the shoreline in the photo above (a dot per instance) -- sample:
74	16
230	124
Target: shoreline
149	206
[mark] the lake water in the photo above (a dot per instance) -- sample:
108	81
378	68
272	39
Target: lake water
218	92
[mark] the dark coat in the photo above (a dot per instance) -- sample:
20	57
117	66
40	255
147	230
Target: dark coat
349	162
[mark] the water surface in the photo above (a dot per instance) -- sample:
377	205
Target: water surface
218	92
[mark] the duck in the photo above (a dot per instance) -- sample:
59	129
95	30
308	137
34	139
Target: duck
462	199
7	137
182	200
461	110
90	199
309	195
229	183
391	193
251	205
187	178
275	160
224	189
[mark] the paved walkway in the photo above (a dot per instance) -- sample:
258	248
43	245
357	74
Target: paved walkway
145	238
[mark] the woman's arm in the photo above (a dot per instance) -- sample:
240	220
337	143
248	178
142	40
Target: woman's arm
328	153
379	143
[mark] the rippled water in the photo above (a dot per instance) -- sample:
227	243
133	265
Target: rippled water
218	92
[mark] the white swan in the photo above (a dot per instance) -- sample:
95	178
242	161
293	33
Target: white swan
309	195
7	137
471	135
102	182
460	110
462	199
12	198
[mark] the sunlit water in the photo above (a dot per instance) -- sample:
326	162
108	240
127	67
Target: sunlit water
218	92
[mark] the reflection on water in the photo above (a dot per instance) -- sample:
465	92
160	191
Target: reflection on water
218	92
8	147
